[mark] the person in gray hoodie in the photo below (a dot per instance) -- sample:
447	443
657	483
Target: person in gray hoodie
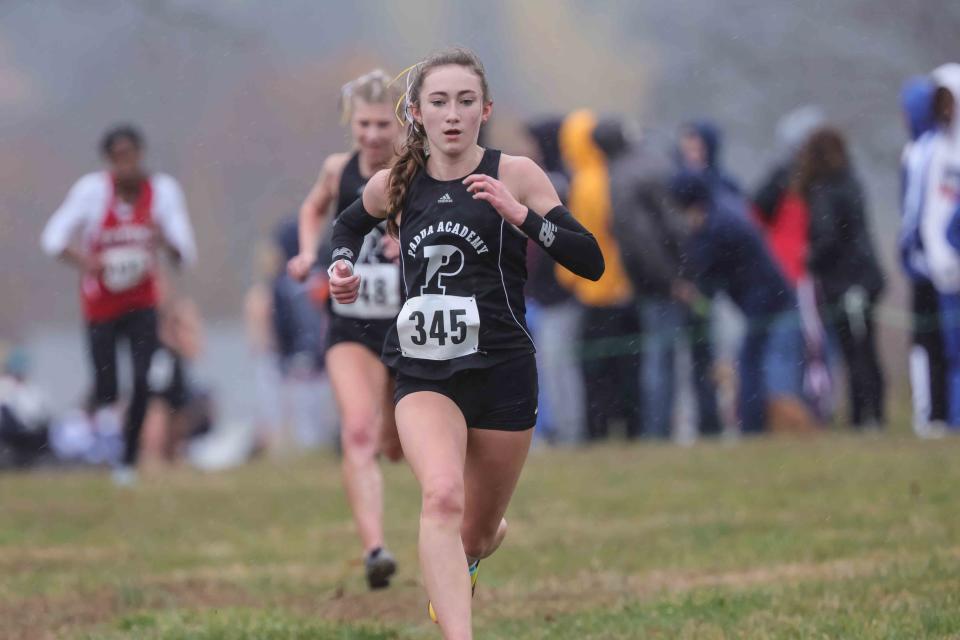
650	239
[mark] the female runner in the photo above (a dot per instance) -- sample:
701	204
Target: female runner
466	386
361	383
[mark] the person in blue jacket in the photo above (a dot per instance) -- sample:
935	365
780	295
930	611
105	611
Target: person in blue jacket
699	152
724	252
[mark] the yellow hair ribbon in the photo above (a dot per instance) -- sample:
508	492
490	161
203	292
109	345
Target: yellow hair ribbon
405	119
404	72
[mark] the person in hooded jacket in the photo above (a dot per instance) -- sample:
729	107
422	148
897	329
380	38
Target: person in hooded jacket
933	195
724	252
610	329
713	330
558	312
699	152
928	364
651	237
844	266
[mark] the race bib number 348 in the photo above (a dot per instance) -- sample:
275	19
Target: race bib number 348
379	295
439	327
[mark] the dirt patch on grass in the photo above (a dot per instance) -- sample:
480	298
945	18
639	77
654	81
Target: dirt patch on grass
301	591
42	618
14	561
593	589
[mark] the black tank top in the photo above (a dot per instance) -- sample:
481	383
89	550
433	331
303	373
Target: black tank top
351	183
463	269
379	297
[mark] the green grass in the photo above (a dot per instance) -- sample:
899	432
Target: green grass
834	537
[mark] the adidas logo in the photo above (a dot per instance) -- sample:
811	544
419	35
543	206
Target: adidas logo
445	199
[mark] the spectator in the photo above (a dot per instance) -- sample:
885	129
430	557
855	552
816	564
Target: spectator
611	324
180	408
843	264
935	190
714	328
724	252
781	211
650	236
928	365
558	313
699	152
24	413
782	214
258	322
298	323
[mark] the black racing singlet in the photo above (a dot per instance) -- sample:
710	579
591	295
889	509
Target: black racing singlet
351	183
369	318
463	269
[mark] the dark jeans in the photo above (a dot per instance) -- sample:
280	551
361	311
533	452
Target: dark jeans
664	323
752	396
611	369
139	328
25	445
856	331
950	325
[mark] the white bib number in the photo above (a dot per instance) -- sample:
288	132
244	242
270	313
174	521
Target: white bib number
124	268
439	327
379	296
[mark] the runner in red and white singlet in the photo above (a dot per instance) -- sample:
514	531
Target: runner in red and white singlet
126	218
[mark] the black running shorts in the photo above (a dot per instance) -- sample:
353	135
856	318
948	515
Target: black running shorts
369	333
502	397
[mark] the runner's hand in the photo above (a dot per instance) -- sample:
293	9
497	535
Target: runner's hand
489	189
90	263
684	291
344	284
300	265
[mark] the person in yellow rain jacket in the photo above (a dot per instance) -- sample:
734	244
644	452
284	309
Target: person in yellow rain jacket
610	330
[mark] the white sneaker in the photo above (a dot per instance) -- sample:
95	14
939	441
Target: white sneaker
124	476
930	430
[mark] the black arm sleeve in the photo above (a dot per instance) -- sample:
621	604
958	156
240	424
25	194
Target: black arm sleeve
566	241
351	227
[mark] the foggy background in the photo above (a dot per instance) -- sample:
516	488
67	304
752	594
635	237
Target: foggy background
238	101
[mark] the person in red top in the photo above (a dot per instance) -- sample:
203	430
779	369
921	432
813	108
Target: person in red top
126	217
797	374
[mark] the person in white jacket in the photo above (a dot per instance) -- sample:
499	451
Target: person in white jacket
125	218
928	362
935	192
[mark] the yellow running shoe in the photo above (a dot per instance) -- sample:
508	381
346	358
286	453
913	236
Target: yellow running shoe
474	575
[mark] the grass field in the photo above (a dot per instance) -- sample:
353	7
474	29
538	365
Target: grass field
835	537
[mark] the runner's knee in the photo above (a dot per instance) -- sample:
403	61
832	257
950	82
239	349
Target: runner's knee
358	434
443	499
